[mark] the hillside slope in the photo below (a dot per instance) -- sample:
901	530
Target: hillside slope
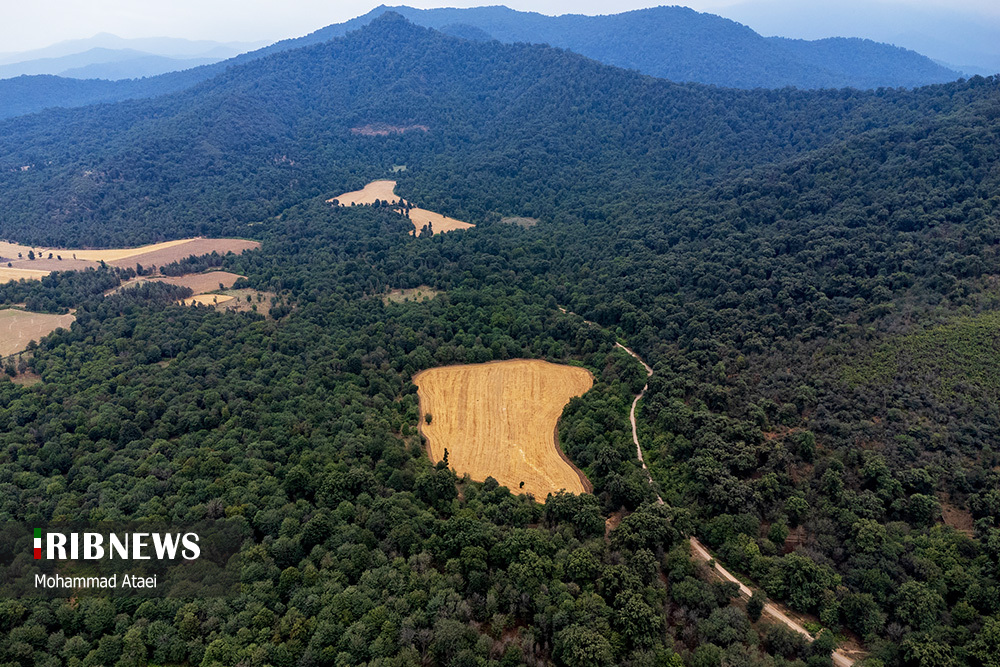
273	131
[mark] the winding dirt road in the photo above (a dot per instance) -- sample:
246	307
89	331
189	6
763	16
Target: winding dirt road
699	551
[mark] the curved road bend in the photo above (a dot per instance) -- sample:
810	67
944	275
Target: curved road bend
698	550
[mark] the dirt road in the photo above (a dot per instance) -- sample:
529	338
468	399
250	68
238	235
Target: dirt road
698	550
631	416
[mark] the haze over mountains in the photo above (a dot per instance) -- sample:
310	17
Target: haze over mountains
681	44
953	36
668	42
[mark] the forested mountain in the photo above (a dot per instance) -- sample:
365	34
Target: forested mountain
811	274
680	44
277	130
675	43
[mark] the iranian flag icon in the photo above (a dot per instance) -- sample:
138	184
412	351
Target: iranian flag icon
38	543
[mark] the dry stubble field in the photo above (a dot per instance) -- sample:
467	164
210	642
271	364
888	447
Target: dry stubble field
157	254
385	190
19	327
499	419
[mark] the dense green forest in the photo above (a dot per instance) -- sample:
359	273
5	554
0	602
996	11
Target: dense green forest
811	275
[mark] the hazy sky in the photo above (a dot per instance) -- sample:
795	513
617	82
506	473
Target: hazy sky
29	24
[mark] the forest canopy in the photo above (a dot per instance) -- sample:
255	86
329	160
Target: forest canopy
811	275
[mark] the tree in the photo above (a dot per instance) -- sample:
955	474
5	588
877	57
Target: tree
755	606
917	605
986	647
579	646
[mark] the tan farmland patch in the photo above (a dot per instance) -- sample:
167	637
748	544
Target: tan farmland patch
243	300
439	223
386	191
117	254
47	266
161	256
199	283
26	379
499	419
8	275
203	282
410	294
383	190
19	327
259	302
207	300
157	254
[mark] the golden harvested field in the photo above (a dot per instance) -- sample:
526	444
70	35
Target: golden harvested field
439	223
111	255
47	265
499	419
8	275
203	282
157	254
386	191
19	327
200	283
207	300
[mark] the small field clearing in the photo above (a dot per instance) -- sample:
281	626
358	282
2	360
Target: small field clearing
19	327
410	294
385	190
499	420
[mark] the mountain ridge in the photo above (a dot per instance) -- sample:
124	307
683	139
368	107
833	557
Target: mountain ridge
749	60
451	85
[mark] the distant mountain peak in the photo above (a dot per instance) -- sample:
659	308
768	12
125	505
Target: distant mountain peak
676	43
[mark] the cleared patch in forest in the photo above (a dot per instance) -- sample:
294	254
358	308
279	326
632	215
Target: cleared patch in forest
520	221
958	518
19	327
438	223
48	260
385	190
244	300
499	420
207	300
199	283
26	379
410	294
380	190
384	129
